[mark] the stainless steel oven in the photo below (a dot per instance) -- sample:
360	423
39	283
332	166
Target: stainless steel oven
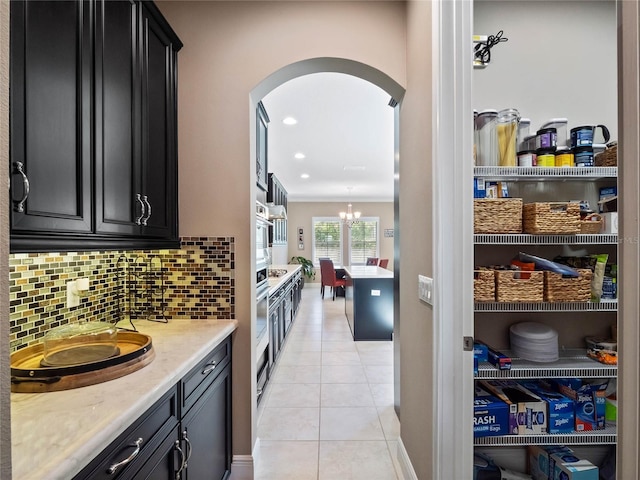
262	236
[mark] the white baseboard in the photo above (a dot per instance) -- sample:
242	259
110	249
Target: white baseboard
241	467
408	472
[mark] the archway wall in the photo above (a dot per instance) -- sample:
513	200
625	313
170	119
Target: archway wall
229	49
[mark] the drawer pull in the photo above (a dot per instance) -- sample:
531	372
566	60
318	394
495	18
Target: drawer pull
186	439
182	459
114	468
210	367
145	199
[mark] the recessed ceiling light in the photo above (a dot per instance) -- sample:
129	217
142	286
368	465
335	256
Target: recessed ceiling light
300	155
289	121
304	175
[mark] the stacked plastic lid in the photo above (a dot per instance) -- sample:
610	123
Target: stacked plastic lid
534	341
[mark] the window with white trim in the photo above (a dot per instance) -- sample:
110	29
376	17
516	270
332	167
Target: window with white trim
327	239
364	240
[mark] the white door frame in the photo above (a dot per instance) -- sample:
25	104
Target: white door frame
453	238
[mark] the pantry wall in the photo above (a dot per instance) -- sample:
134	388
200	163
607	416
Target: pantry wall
559	60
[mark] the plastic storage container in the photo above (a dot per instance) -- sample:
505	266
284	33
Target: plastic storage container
486	148
507	133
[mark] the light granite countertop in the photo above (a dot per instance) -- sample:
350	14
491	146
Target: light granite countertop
366	271
55	434
277	282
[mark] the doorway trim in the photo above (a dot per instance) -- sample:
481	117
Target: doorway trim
242	468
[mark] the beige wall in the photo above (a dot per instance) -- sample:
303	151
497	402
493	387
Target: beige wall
299	215
416	244
5	417
229	48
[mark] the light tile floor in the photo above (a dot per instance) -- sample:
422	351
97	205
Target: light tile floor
328	408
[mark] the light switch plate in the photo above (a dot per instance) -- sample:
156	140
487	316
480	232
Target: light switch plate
425	289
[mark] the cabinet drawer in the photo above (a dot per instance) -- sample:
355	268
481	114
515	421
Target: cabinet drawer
152	428
194	383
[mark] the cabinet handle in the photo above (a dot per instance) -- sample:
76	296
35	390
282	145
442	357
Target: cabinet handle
142	210
19	204
209	368
145	199
114	468
186	439
182	459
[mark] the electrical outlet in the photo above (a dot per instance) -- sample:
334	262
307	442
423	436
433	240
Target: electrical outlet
425	289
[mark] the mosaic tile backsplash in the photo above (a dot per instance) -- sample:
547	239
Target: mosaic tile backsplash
196	281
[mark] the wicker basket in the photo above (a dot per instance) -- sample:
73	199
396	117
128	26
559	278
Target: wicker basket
607	158
484	286
510	288
497	215
551	218
591	224
560	289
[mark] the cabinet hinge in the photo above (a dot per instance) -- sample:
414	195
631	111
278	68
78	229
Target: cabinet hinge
467	344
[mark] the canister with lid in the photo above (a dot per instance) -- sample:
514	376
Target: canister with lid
507	131
486	146
546	157
546	138
527	158
583	156
564	157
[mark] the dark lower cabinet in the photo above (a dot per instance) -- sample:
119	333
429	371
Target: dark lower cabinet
186	435
206	430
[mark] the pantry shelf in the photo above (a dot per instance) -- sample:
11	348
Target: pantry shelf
572	363
527	239
544	173
606	436
604	306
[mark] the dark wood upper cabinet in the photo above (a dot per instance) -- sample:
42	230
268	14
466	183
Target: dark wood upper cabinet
93	127
262	138
50	99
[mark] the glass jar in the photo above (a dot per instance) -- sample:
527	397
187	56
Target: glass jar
486	147
507	136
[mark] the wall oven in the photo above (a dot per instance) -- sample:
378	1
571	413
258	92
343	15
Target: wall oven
262	297
262	236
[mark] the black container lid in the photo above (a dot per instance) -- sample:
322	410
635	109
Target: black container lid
546	151
524	152
582	149
575	129
547	130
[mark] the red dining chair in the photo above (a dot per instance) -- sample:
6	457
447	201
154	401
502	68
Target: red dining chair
372	261
328	277
383	262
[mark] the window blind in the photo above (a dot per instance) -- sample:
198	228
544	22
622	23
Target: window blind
363	241
327	240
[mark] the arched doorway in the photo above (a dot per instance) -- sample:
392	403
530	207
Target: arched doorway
396	93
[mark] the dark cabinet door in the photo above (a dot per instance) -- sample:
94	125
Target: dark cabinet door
262	123
206	432
117	119
50	116
163	463
159	167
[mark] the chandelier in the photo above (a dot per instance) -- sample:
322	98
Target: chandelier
350	217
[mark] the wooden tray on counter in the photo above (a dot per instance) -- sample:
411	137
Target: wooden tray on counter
28	376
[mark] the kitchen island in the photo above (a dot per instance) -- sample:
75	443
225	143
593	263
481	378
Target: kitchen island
56	434
369	302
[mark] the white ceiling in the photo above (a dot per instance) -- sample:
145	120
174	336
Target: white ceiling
345	130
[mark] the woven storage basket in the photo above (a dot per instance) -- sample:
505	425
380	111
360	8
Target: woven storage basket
510	288
484	286
607	158
497	215
591	224
551	218
559	289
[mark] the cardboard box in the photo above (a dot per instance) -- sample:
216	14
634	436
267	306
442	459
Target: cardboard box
589	400
527	411
610	222
567	466
496	358
490	415
541	466
480	352
560	409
